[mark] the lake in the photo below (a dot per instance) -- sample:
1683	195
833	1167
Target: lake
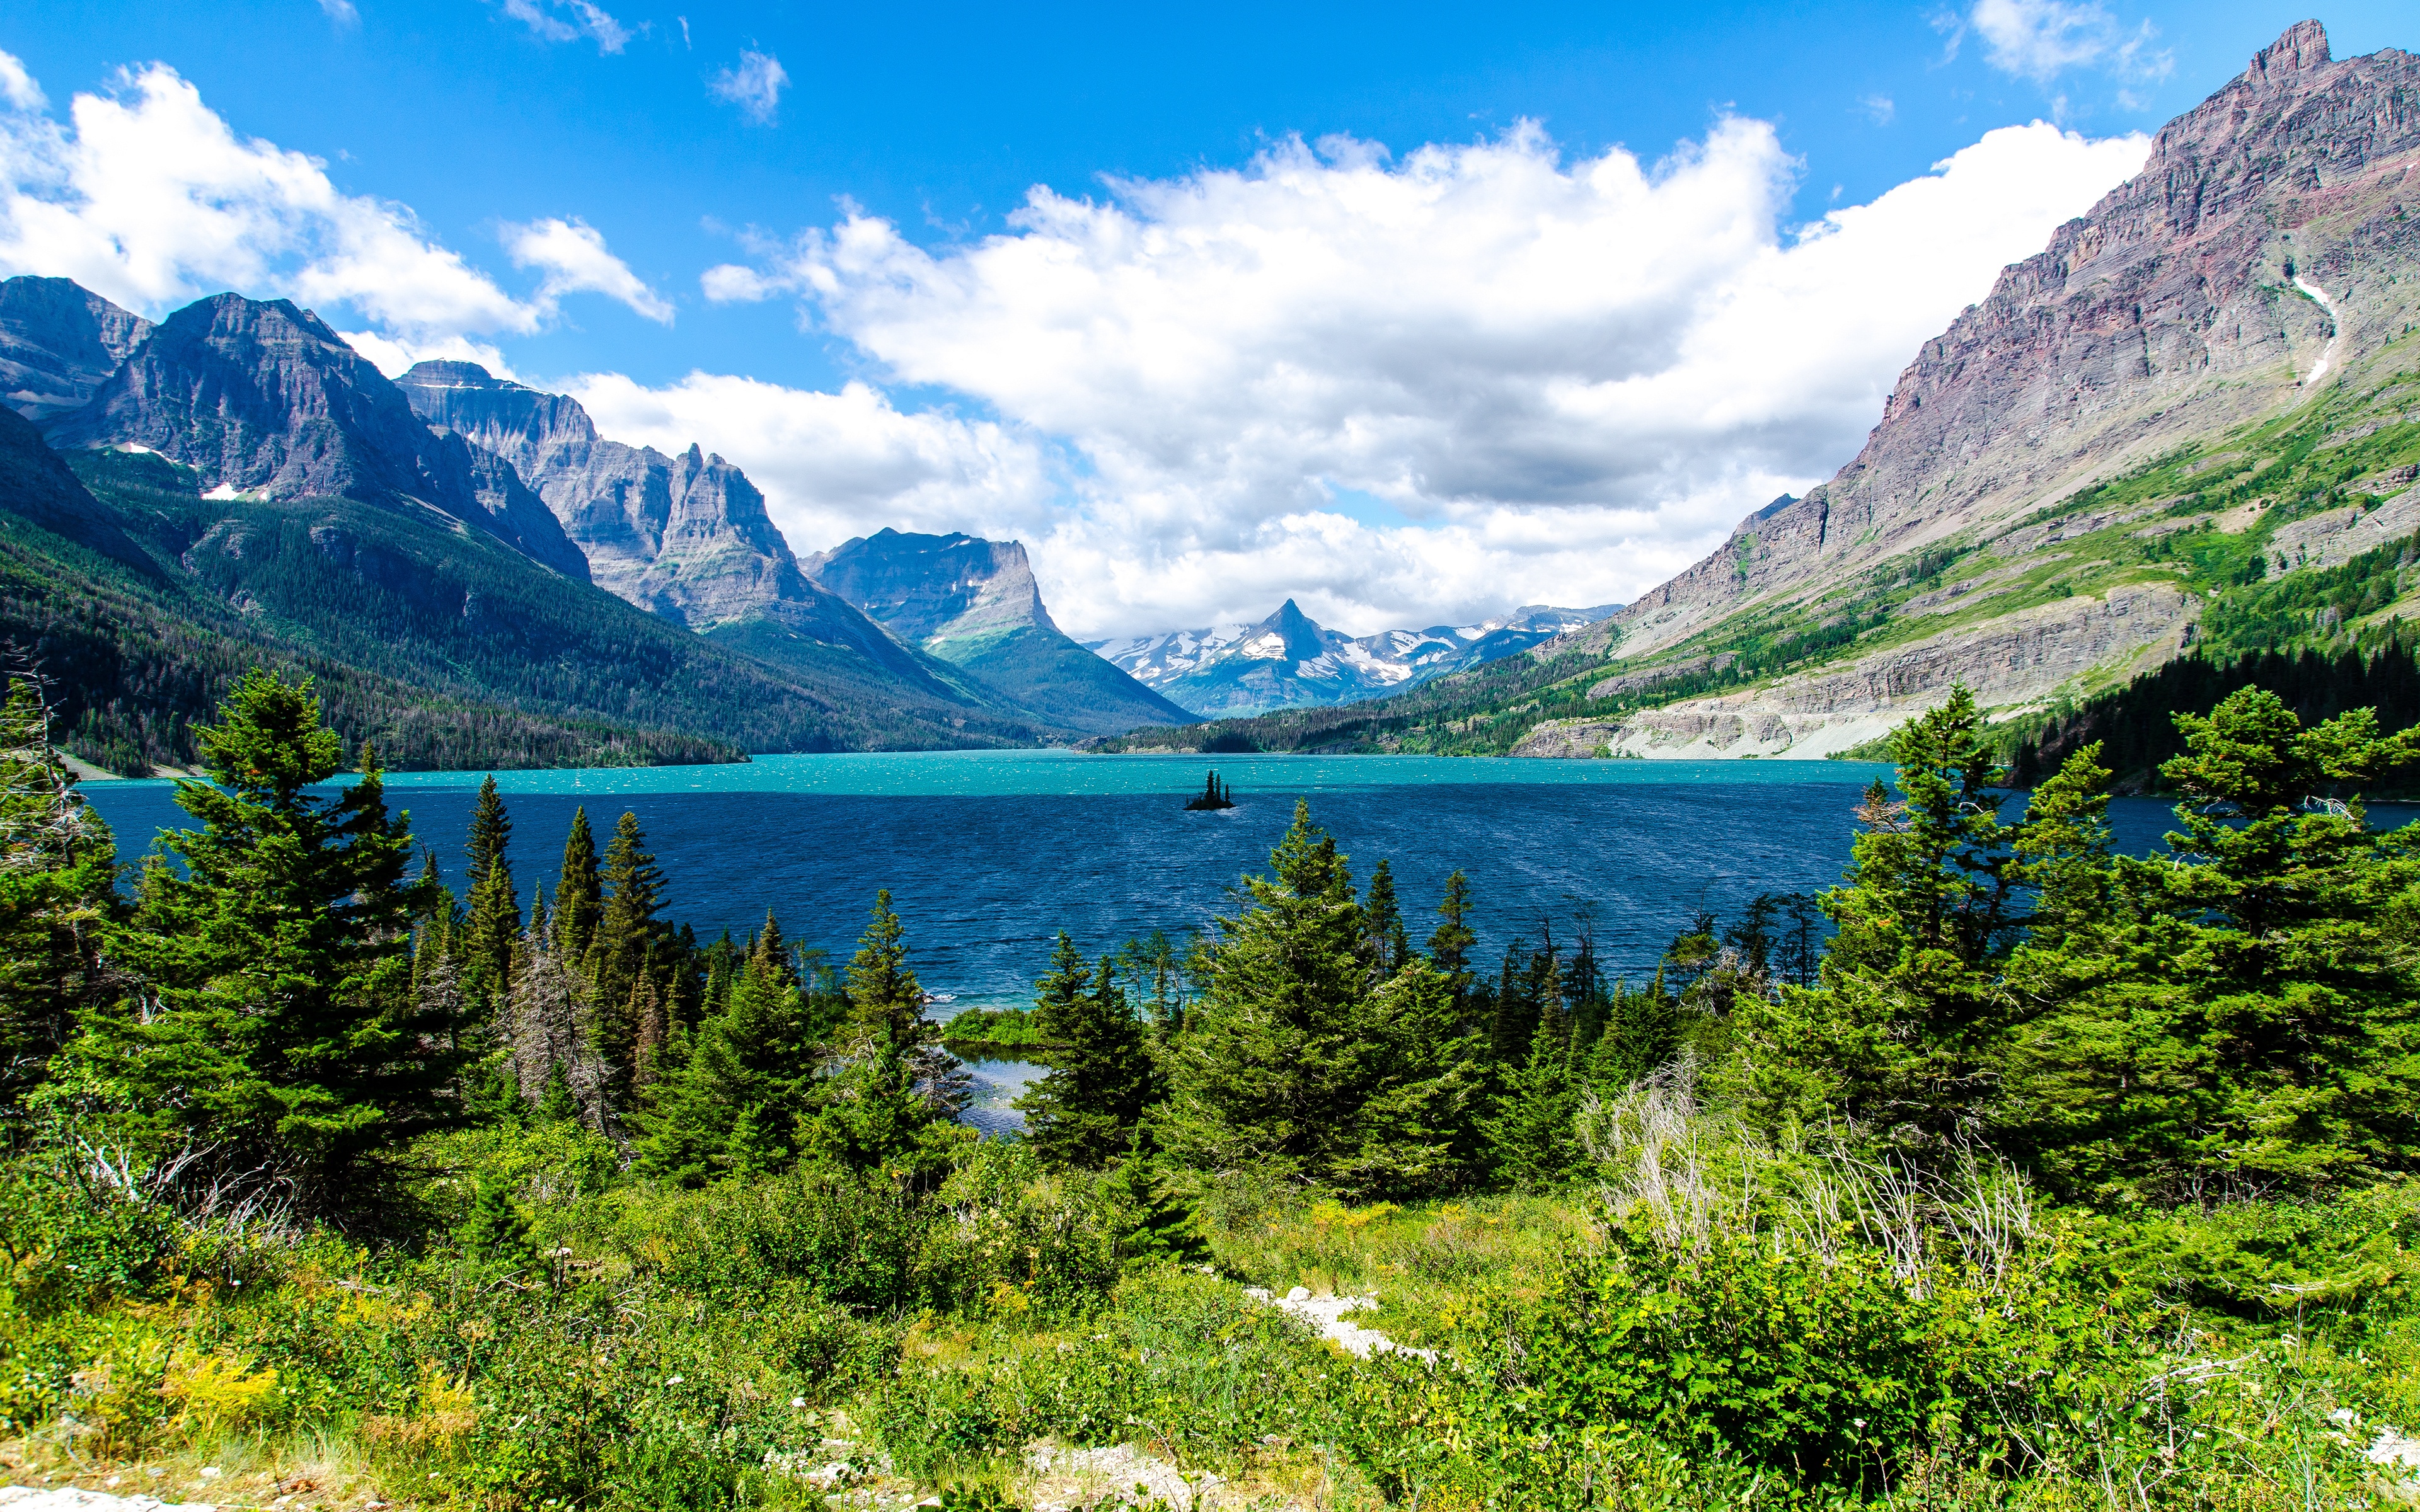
990	854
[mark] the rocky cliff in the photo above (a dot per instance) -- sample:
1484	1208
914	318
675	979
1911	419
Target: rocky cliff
2261	264
975	604
59	341
685	536
263	400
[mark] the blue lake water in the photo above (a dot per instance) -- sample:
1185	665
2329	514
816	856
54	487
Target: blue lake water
990	854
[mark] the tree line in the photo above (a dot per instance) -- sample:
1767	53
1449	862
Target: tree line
293	1001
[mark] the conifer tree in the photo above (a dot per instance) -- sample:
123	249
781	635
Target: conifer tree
579	894
1415	1131
278	1022
626	940
1382	923
1902	1028
893	1103
1533	1136
1453	941
495	910
496	1232
1641	1035
733	1105
1149	1224
58	878
1271	1069
1084	1112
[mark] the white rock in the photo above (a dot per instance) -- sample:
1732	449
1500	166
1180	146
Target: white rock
70	1499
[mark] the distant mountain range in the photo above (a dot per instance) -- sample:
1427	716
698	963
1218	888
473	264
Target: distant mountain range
1289	661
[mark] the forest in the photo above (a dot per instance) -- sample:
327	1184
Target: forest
2013	1171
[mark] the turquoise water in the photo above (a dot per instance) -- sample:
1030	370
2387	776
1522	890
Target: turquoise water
990	854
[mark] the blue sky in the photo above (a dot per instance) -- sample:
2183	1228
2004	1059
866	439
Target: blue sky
648	127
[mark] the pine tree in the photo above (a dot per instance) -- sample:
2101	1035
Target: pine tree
1641	1035
1533	1136
1084	1112
580	895
1149	1224
1382	923
496	1232
626	940
1415	1131
1903	1030
2246	1008
1271	1069
1450	945
495	921
59	879
893	1103
279	1024
733	1105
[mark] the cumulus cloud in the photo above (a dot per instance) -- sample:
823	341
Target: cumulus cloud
2039	40
1571	377
147	196
574	259
755	85
17	86
394	355
565	20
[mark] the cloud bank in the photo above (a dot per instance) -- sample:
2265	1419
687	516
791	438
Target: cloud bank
1567	379
147	196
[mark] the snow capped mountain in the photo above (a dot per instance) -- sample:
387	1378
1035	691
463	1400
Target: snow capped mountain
1288	660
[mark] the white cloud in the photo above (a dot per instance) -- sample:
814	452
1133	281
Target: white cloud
2039	40
147	197
1575	377
546	20
754	86
17	86
341	13
395	356
575	258
1880	109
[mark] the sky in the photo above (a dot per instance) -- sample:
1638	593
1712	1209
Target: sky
1411	313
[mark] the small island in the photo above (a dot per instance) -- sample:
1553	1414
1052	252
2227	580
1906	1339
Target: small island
1213	795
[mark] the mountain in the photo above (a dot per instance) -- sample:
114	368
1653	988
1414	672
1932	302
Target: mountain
58	343
243	490
1289	661
2026	516
261	399
2188	425
685	537
974	604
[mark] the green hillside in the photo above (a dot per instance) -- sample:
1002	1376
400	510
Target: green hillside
445	647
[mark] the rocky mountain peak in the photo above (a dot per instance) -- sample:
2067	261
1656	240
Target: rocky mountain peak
931	589
2301	47
59	341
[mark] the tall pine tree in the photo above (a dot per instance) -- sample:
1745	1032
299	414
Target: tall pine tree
59	880
626	941
580	895
495	908
1085	1110
278	1022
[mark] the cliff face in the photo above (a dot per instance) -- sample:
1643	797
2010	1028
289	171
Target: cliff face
59	341
975	604
685	537
2262	265
2259	242
264	401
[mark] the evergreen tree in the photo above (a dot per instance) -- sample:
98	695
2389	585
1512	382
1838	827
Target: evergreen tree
59	880
579	894
1271	1069
893	1102
1084	1111
1641	1035
1388	945
495	910
1901	1030
278	1022
496	1232
1149	1224
1533	1136
1450	944
626	940
2246	1008
1415	1132
732	1107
